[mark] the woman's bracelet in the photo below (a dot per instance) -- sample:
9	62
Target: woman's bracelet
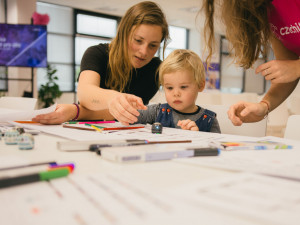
268	106
78	110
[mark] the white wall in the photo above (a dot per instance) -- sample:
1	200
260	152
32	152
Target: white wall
20	11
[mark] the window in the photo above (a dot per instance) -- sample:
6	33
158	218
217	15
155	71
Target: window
65	51
92	29
98	26
179	40
60	45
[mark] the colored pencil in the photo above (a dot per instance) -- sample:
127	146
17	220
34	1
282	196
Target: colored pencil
29	121
96	122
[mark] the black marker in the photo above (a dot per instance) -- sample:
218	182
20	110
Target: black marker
41	176
95	147
207	151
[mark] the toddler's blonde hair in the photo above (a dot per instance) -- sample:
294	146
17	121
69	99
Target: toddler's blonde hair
183	59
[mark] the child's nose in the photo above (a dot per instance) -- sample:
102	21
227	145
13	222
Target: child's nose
176	93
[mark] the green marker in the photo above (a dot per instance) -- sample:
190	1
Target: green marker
42	176
71	122
92	125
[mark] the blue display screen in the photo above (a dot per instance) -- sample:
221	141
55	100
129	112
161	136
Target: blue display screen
23	45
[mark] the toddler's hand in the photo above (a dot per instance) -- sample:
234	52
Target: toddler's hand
188	125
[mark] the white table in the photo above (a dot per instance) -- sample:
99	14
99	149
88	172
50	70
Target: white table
183	191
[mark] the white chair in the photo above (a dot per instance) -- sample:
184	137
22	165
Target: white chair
277	120
294	104
279	116
18	103
292	130
250	97
257	129
230	99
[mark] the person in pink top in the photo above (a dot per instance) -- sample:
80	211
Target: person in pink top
251	27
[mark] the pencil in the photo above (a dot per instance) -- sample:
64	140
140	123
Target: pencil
90	122
29	121
169	142
97	128
79	128
121	128
96	122
102	128
51	163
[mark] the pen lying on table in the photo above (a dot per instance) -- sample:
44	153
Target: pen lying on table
94	145
34	177
102	128
148	153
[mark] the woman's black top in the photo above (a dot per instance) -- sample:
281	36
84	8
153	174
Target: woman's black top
143	83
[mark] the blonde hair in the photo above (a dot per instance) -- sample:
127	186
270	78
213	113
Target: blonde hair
247	28
119	66
183	59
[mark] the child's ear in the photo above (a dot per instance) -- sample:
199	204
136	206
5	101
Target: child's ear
202	86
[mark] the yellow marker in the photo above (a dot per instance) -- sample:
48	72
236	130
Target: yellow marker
96	128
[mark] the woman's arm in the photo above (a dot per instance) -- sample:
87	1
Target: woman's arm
89	93
286	68
66	112
245	112
121	106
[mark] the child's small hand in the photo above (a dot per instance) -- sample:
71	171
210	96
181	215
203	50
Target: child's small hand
188	125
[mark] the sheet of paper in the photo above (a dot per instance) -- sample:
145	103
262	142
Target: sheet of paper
18	103
12	115
11	161
145	133
274	162
106	199
141	133
255	198
34	204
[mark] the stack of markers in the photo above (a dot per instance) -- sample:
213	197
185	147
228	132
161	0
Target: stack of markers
53	171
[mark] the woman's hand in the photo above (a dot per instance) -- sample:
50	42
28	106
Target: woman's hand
188	125
124	108
62	113
246	112
280	71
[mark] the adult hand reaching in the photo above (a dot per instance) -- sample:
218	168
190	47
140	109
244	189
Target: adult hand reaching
62	113
246	112
124	108
280	71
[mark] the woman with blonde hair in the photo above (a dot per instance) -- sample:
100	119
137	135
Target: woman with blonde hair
251	27
118	78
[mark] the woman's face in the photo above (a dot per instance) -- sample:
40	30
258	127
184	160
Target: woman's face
143	44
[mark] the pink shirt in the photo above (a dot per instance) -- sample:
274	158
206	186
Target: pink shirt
284	20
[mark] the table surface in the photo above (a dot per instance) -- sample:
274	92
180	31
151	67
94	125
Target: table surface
210	190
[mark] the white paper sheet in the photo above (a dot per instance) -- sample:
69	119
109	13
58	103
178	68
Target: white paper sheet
11	161
260	199
106	199
145	133
18	103
12	115
274	162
